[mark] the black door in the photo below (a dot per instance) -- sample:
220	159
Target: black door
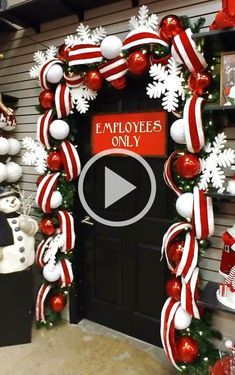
122	280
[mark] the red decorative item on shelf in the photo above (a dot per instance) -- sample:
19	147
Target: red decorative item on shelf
47	226
188	166
138	63
47	99
63	52
58	302
173	288
175	252
119	83
198	83
170	26
223	366
55	161
225	18
94	80
187	349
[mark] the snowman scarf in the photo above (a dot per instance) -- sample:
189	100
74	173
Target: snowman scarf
6	238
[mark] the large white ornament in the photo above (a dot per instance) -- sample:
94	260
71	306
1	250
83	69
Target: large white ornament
182	319
184	205
55	74
3	172
231	186
111	46
14	146
14	172
59	129
50	273
4	146
56	199
177	132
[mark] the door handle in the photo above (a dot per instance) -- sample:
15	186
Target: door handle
87	220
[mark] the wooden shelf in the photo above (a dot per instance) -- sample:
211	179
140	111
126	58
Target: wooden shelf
208	299
219	108
219	196
216	41
6	27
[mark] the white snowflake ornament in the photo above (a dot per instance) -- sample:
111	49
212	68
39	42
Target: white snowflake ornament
41	57
81	96
35	155
167	81
217	159
85	36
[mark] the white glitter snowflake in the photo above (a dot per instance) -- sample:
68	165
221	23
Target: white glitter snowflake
167	81
212	166
40	57
54	244
81	96
144	20
85	35
36	155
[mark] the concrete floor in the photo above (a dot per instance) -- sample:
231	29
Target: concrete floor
85	349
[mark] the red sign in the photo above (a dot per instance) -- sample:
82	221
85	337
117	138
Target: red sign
141	132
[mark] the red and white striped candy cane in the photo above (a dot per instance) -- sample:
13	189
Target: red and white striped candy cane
167	173
63	100
71	161
66	222
203	216
40	301
43	126
66	272
188	290
45	190
40	252
194	133
189	258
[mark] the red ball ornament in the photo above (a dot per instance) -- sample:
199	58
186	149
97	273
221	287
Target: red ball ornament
93	80
119	83
170	26
138	63
58	302
46	99
223	366
64	52
54	161
187	349
198	83
47	226
188	166
173	288
175	252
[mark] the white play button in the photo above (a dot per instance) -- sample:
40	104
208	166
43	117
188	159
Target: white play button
116	187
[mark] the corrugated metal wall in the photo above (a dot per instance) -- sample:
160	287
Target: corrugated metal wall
18	49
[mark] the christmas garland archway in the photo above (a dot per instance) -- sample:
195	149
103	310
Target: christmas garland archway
72	76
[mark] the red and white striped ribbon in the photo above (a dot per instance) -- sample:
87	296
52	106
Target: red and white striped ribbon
66	223
223	289
66	272
189	258
43	72
114	69
167	173
63	100
230	279
170	235
86	53
43	126
188	294
40	308
168	330
203	216
45	190
71	161
40	252
73	81
184	50
194	133
142	36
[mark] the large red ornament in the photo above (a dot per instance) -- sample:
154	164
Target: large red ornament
188	166
55	161
63	52
46	99
187	349
93	80
138	63
198	83
175	252
58	302
47	226
226	17
119	83
170	26
173	288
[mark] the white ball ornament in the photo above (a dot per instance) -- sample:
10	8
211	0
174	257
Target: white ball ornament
14	172
111	46
177	131
3	172
184	205
56	199
52	274
55	74
59	129
182	319
14	146
4	146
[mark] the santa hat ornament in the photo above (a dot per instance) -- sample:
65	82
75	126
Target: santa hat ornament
66	223
203	216
114	69
46	188
184	51
63	100
43	126
71	161
142	30
194	134
73	80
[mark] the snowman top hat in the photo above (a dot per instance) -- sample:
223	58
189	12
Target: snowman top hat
7	191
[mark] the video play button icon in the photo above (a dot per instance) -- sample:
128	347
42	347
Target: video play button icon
116	187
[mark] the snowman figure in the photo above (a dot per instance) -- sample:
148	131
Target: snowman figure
16	234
